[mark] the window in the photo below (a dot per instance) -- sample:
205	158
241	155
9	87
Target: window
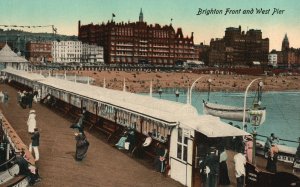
182	145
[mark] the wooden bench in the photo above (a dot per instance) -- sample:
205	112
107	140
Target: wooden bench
106	127
150	151
19	180
74	113
61	107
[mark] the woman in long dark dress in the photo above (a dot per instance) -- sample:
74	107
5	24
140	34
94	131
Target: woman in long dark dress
223	172
272	159
82	146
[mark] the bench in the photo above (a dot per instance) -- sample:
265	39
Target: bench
150	151
19	180
61	107
73	113
9	174
105	126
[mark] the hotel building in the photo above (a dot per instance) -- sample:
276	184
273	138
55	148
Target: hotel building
138	42
239	48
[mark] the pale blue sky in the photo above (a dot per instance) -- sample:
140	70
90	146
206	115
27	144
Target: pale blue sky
64	14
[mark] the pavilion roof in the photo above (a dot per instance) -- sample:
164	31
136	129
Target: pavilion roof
7	55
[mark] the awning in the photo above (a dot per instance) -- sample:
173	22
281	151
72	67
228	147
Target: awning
212	127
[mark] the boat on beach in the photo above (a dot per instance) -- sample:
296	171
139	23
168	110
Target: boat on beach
232	112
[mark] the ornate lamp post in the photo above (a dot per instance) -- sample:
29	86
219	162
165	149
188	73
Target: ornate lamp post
193	85
255	118
177	95
160	92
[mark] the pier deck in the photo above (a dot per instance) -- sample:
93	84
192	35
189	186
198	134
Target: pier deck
103	166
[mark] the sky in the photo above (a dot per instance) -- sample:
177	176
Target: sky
64	14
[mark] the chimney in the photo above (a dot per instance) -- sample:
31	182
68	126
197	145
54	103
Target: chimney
79	25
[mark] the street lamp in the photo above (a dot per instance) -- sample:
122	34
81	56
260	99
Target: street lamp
160	92
177	95
193	85
255	117
245	99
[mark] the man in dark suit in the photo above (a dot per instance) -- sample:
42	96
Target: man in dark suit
35	142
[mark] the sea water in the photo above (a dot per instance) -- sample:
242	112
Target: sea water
283	110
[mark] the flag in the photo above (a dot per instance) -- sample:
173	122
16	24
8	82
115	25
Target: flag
113	15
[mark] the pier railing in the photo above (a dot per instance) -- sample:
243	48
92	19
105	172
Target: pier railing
280	139
13	138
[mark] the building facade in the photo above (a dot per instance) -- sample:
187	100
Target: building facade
288	56
67	51
138	42
92	54
39	51
202	52
239	48
272	59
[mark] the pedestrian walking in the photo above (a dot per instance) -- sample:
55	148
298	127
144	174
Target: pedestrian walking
240	173
248	148
223	173
211	167
30	99
35	142
272	159
24	99
82	146
31	122
268	143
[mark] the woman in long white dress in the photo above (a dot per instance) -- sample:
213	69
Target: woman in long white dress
31	122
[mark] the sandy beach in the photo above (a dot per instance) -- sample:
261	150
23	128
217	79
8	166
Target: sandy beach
140	81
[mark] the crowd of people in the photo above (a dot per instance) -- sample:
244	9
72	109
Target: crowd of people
26	99
212	160
128	141
27	168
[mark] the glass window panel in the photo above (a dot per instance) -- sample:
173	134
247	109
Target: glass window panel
185	153
179	138
185	140
179	151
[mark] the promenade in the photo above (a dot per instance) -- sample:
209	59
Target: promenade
103	166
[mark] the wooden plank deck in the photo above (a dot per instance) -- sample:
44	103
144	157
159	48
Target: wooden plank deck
103	166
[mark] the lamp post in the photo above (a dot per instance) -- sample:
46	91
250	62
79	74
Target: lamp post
193	85
177	95
255	117
245	99
160	92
